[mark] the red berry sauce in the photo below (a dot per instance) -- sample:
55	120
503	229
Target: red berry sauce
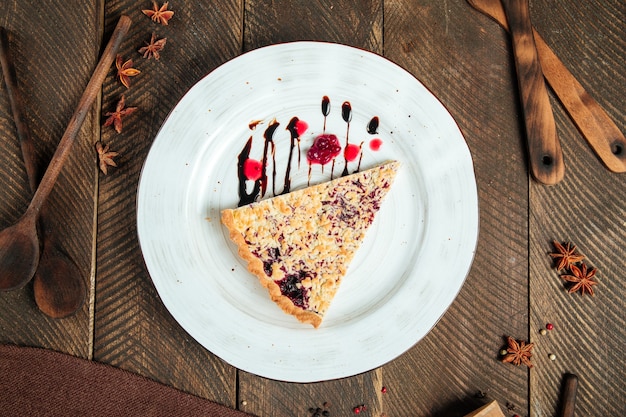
375	144
352	151
301	127
324	149
252	169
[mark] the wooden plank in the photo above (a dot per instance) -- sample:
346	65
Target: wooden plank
588	209
464	59
53	68
356	23
352	22
133	329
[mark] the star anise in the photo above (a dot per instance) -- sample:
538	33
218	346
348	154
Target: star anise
105	157
125	70
581	279
566	255
159	15
153	48
518	353
115	118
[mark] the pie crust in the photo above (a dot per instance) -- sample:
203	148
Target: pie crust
299	245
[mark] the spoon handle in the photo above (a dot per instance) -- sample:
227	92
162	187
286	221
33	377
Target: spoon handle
89	96
17	104
544	148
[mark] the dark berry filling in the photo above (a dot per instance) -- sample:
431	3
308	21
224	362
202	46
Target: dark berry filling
324	149
290	288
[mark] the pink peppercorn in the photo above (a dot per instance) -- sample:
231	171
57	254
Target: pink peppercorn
549	326
383	390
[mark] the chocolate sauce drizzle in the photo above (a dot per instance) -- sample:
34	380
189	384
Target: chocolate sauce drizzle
325	110
372	126
260	187
269	152
295	139
346	115
245	197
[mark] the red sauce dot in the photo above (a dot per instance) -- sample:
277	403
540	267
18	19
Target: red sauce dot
375	144
252	169
301	127
351	152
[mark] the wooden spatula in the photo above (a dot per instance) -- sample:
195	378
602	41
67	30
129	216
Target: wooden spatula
596	126
544	148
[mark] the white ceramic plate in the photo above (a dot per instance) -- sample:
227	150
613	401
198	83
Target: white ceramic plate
413	261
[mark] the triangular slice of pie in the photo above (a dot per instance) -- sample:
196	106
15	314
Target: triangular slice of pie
300	244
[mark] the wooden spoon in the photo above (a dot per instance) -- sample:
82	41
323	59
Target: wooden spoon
58	284
544	148
19	244
600	131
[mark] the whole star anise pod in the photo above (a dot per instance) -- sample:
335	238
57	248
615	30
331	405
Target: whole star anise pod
159	15
105	157
153	48
518	353
115	118
581	279
125	70
566	255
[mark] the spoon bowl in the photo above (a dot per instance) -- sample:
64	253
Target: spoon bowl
19	253
58	284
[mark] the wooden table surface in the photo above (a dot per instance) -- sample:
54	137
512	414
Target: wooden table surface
465	59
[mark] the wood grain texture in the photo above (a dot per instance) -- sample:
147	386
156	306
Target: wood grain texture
468	67
133	329
53	68
588	209
352	22
357	23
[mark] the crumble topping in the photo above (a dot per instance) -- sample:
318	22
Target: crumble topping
300	244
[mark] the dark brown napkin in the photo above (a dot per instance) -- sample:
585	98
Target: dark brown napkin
39	382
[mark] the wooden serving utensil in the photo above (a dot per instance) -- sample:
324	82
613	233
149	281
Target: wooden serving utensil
58	285
544	148
568	395
19	244
600	131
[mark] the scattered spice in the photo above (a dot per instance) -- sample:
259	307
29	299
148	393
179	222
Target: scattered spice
319	412
543	332
383	390
552	357
566	255
518	352
153	48
125	70
481	393
105	157
159	14
115	118
581	279
549	326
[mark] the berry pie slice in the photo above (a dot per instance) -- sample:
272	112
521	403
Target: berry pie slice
300	244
